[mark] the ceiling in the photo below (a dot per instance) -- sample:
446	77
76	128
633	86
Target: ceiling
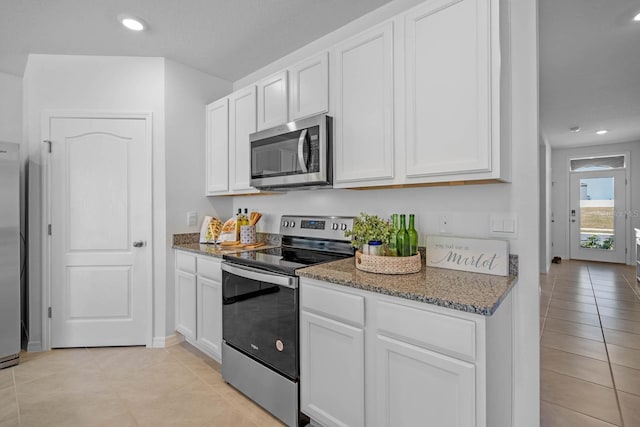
225	38
589	71
589	49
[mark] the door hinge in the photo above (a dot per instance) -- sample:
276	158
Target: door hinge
49	312
48	142
49	229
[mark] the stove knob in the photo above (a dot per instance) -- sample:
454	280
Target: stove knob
293	224
343	227
285	224
334	226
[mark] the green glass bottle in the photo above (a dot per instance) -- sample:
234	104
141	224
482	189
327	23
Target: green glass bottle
402	238
393	245
413	235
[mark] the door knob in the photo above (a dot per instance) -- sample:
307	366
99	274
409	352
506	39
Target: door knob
138	244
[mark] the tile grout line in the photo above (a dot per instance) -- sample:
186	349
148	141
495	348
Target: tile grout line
15	394
544	320
606	349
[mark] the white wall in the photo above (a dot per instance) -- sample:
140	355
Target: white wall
469	206
560	192
545	205
10	108
61	82
11	131
187	91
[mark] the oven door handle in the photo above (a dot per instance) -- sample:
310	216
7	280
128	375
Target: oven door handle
302	161
255	274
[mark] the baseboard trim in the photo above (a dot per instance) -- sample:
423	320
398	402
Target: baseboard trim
168	341
174	339
34	346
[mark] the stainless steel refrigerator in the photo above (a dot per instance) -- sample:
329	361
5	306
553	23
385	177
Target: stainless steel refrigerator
9	255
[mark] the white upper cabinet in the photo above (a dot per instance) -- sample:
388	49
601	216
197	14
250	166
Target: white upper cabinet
363	106
273	101
217	147
420	98
242	123
309	92
450	91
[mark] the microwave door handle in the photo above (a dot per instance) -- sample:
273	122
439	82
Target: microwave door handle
301	159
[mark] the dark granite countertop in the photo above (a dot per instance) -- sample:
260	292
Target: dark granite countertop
210	250
459	290
189	242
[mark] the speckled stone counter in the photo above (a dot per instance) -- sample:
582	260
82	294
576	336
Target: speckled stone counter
189	242
470	292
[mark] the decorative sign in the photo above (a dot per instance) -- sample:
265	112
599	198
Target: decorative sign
467	254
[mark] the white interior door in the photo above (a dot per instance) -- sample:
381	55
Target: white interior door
597	215
100	214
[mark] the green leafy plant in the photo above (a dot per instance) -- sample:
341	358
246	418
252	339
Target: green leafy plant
593	242
369	228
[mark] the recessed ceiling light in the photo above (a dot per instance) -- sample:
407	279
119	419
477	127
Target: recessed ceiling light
601	131
131	22
637	17
575	129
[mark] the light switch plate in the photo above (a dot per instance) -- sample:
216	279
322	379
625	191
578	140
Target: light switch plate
192	218
503	225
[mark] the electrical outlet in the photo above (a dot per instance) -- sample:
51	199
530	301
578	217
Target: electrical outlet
444	223
192	218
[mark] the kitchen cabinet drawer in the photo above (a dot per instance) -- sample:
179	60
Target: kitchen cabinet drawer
210	268
185	262
447	334
340	306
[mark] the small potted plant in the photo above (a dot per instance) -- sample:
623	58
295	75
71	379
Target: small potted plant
370	234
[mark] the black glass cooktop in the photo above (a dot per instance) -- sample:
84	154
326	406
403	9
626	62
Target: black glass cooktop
283	260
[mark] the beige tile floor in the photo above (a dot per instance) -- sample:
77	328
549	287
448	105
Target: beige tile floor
123	386
590	345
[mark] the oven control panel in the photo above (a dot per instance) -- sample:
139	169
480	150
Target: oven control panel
319	227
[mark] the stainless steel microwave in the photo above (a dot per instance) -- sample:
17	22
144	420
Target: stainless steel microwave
296	155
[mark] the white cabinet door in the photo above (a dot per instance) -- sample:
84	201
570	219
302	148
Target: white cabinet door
209	308
448	68
242	122
331	371
217	147
415	386
362	75
185	291
310	87
273	101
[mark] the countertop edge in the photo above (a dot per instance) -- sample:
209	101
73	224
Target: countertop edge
468	308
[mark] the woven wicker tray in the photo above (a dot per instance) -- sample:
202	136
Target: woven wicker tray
388	264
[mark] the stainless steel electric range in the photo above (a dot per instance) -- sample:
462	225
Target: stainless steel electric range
260	355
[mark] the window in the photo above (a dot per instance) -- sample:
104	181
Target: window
597	163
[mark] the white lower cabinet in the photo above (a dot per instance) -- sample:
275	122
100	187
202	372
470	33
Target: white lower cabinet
414	383
409	364
209	325
332	371
186	304
199	302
